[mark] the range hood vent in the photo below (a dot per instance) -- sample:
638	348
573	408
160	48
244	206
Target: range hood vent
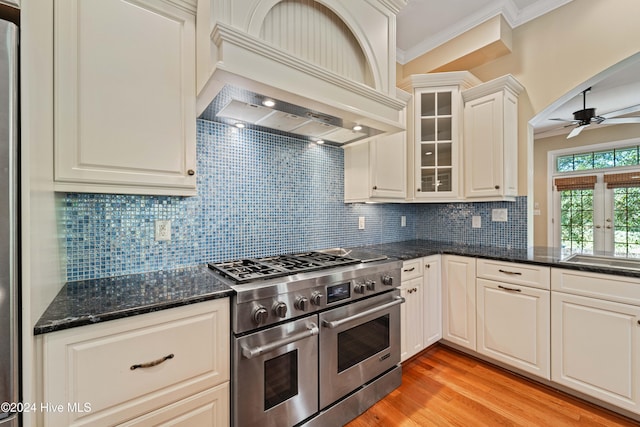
328	65
236	106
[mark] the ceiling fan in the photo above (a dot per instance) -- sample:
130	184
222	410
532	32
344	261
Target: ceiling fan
587	116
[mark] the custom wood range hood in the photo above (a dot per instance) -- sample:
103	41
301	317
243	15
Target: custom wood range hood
328	66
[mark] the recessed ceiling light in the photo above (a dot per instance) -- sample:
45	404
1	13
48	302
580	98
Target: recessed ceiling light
240	125
357	128
320	141
268	103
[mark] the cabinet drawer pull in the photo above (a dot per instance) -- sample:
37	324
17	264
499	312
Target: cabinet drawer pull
515	273
152	363
409	269
509	289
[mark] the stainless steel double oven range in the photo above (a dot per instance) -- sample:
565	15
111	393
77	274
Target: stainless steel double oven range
316	337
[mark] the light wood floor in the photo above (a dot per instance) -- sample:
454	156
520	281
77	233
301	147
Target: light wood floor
442	387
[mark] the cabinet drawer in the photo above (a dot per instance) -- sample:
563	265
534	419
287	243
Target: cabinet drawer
130	366
535	276
602	286
412	269
206	409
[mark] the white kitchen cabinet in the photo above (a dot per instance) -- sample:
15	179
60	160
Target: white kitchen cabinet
595	337
434	143
124	97
421	323
596	348
169	366
411	315
513	325
375	170
412	311
459	300
491	139
432	285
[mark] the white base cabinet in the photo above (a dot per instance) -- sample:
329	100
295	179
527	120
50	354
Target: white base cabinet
597	348
513	315
432	284
513	325
596	336
169	367
421	319
459	300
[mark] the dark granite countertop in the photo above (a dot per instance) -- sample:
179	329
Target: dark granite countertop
91	301
547	256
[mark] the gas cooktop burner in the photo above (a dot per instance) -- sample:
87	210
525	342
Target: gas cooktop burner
246	270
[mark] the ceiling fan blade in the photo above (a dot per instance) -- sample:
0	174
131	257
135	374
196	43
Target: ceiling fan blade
621	120
622	111
576	131
565	120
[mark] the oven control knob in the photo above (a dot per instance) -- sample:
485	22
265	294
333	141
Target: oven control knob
387	280
371	285
316	298
302	303
260	315
280	309
359	288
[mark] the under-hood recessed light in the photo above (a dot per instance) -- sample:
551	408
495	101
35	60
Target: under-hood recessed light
320	141
240	125
268	114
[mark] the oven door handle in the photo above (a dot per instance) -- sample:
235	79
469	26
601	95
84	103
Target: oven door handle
336	323
250	353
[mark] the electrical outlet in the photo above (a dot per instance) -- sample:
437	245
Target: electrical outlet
403	221
499	215
360	223
476	221
163	229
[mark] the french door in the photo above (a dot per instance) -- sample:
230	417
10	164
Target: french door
602	214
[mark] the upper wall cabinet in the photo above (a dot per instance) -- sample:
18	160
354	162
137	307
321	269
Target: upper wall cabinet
125	96
375	171
335	57
491	139
434	142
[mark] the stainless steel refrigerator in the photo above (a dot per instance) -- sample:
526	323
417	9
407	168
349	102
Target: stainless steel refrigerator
9	309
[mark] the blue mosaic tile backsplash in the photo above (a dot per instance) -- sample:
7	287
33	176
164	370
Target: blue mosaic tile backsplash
258	194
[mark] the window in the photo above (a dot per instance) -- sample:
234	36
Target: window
618	157
596	201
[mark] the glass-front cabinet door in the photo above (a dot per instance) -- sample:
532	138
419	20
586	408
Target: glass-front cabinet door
436	151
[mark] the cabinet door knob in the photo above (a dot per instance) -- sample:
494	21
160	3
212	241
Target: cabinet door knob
497	187
191	172
419	189
375	187
428	265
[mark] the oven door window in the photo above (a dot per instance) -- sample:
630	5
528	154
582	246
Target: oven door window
280	379
362	341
